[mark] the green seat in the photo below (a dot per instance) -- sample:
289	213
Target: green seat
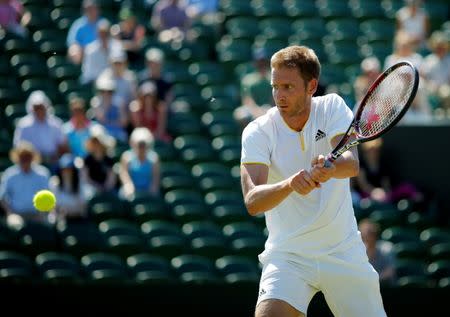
194	149
275	27
387	218
183	196
439	269
16	46
148	208
66	4
248	246
432	236
166	151
300	8
237	269
208	73
340	29
212	176
58	267
167	246
15	266
43	35
8	238
79	237
155	228
400	234
440	251
444	283
268	8
232	8
177	72
106	206
34	237
364	10
182	124
309	28
329	9
104	268
205	228
229	213
243	229
232	51
31	71
228	148
12	96
380	49
191	268
419	221
195	51
174	168
149	268
414	282
378	29
410	250
185	89
65	72
212	247
229	90
217	198
173	182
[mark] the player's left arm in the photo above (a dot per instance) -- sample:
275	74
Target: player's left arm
347	165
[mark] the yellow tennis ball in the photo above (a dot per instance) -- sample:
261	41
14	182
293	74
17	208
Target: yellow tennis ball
44	200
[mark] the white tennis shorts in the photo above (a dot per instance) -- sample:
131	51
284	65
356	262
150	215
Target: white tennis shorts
348	281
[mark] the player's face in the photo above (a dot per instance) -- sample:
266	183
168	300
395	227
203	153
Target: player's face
290	93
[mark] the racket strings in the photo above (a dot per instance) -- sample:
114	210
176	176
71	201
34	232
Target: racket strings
386	101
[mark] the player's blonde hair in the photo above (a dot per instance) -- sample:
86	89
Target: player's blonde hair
303	58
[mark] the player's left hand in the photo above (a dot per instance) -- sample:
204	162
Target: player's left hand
320	173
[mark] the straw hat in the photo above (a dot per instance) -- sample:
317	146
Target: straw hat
24	147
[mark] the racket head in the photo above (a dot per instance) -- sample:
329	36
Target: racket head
386	101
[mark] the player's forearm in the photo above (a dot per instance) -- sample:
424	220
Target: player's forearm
265	197
346	166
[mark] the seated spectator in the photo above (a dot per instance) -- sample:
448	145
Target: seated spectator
77	128
147	112
154	58
11	12
97	171
110	115
83	31
66	185
130	33
42	129
139	166
122	76
374	181
21	181
256	90
170	14
414	21
379	252
404	50
96	55
370	70
435	71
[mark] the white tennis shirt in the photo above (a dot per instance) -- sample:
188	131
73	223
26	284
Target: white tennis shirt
322	221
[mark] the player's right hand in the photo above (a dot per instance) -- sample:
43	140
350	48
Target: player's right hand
302	183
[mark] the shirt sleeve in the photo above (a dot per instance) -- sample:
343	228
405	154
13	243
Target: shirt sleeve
255	145
340	117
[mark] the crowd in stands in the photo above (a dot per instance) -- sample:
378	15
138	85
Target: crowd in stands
131	106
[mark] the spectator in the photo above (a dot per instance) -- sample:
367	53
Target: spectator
97	171
42	129
22	180
83	31
110	115
379	252
256	90
404	50
66	185
11	12
96	57
146	111
414	21
436	71
374	181
370	70
153	71
130	33
170	14
122	76
139	166
77	128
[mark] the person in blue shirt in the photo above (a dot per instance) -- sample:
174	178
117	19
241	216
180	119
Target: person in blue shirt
139	166
21	181
83	31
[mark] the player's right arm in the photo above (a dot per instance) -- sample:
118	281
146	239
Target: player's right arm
260	196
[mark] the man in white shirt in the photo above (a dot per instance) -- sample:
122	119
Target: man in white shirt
313	243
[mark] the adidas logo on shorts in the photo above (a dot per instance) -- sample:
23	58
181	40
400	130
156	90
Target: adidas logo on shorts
320	135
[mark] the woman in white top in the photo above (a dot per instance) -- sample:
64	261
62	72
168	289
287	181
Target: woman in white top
414	20
313	243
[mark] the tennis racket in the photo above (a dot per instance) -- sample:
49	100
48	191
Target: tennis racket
384	104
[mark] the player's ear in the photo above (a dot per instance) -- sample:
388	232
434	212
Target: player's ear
312	86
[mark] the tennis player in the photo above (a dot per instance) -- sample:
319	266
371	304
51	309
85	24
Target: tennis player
313	244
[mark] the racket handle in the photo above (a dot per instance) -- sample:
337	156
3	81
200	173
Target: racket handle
328	161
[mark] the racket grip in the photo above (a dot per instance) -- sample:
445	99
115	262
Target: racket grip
328	161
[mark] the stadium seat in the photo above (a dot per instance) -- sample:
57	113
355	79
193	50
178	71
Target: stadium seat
248	246
15	266
183	124
229	213
432	236
364	10
300	8
242	229
440	251
378	29
194	149
268	8
8	238
166	151
194	269
211	247
80	237
237	270
232	8
242	27
212	176
149	268
58	267
148	207
439	269
387	217
414	282
409	268
191	211
419	221
309	28
34	237
344	28
400	234
329	9
217	198
104	206
409	250
274	27
104	268
123	237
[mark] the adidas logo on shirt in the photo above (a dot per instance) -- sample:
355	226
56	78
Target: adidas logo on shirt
320	135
